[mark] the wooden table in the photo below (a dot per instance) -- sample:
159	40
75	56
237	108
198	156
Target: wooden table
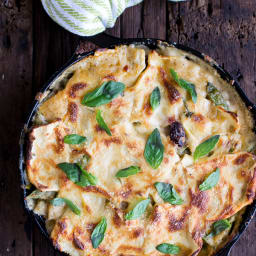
33	47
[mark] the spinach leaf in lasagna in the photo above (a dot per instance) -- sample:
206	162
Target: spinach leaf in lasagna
102	123
138	210
98	233
167	192
206	147
211	181
168	248
155	98
128	171
190	87
77	174
218	227
154	149
103	94
61	201
74	139
214	95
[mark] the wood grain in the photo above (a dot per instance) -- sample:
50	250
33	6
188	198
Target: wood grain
33	47
15	92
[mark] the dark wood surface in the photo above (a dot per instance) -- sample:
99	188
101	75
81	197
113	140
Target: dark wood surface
33	47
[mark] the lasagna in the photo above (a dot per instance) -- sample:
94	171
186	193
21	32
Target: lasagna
141	152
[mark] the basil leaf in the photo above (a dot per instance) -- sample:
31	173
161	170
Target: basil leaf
205	147
188	113
154	149
155	98
211	181
168	248
102	123
214	95
185	85
217	227
128	171
103	94
60	201
74	139
138	210
98	233
76	174
167	192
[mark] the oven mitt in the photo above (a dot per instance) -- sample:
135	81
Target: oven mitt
86	17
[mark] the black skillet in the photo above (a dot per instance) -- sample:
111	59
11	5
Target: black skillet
105	41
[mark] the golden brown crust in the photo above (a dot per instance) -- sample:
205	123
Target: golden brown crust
131	120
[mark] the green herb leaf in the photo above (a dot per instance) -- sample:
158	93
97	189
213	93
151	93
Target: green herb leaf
76	174
211	181
128	171
206	147
220	226
60	201
217	227
98	233
84	161
155	98
214	95
138	210
154	149
74	139
167	192
102	123
187	112
103	94
185	85
168	248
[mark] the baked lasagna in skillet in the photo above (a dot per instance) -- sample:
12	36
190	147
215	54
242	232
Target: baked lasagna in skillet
141	152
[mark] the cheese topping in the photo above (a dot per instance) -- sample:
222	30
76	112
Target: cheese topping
131	120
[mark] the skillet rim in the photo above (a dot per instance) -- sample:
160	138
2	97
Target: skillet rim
152	44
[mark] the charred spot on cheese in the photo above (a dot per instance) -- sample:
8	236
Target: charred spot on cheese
109	141
78	244
176	224
241	159
173	93
199	200
60	141
76	87
177	133
73	111
137	233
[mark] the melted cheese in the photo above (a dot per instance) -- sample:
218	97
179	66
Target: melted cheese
131	121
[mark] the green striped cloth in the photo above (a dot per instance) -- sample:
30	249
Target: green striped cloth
86	17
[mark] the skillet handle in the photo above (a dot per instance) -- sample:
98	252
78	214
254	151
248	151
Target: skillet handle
101	40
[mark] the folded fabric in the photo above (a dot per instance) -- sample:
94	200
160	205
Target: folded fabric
86	17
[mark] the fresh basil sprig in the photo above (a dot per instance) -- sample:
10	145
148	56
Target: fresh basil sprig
138	210
185	85
98	233
217	227
206	147
168	248
74	139
211	181
61	201
167	192
102	123
76	174
128	171
103	94
154	149
155	98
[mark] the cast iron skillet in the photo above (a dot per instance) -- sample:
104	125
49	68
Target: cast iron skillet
105	41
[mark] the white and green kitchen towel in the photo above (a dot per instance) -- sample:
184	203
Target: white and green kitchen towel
86	17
